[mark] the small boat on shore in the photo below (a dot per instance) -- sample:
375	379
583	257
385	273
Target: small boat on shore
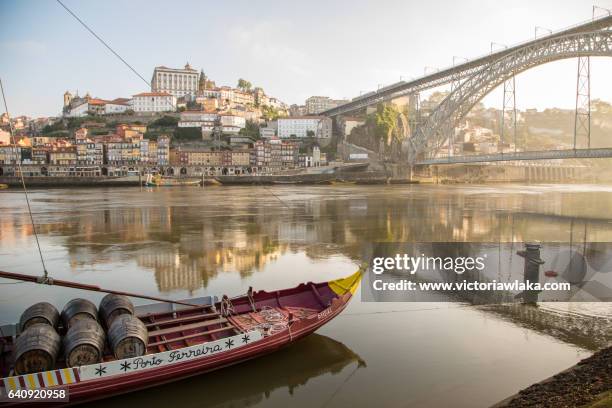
3	186
159	181
157	343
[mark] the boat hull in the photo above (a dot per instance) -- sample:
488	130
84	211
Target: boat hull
84	388
87	392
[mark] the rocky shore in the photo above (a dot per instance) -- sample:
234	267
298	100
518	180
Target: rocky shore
587	384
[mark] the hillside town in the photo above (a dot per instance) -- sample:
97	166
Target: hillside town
185	119
186	125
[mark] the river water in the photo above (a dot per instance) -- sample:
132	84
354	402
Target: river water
185	242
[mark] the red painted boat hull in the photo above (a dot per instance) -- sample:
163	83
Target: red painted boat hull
108	386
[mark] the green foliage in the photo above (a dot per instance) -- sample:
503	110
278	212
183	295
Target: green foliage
70	124
58	133
57	126
187	134
307	144
386	118
310	133
270	113
244	84
251	130
165	121
193	105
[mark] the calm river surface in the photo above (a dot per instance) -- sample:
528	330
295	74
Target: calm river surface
184	242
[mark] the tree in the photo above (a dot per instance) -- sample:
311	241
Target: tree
310	133
244	85
187	134
57	126
386	122
165	121
193	105
250	130
269	113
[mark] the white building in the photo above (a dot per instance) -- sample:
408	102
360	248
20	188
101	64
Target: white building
301	126
178	82
267	132
115	107
198	119
78	111
318	104
232	123
153	102
96	106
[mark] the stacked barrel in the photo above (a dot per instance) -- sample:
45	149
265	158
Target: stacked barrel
38	346
127	335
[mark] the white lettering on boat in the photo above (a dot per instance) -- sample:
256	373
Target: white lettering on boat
324	313
129	365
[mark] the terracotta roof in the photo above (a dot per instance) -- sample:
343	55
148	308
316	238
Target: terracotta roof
96	101
120	101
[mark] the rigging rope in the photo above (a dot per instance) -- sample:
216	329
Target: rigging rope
25	190
132	68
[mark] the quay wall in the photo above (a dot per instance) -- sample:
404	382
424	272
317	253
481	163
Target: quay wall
67	181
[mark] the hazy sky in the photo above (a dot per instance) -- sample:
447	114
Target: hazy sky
292	49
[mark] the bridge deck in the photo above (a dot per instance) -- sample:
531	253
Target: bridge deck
531	155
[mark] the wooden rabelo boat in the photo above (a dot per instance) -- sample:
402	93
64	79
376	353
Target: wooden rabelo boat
183	339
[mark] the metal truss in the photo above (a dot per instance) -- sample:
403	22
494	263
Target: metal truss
461	71
582	121
531	155
414	111
508	113
473	89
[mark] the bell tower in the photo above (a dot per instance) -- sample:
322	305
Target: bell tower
67	98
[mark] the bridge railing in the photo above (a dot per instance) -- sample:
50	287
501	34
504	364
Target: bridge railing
529	155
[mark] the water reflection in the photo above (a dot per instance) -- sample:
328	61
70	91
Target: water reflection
188	238
222	240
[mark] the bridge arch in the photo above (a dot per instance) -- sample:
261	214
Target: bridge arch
459	102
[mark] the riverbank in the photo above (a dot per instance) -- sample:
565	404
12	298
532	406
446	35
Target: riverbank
588	384
298	179
70	181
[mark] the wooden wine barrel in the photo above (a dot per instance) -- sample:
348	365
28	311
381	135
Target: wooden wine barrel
84	343
112	306
78	309
41	312
36	349
128	337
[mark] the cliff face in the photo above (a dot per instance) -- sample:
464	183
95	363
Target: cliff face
383	132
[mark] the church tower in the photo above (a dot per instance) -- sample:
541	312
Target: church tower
67	98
